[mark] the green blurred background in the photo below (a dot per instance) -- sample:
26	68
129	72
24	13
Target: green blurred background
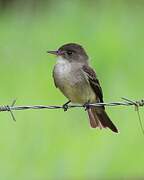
52	144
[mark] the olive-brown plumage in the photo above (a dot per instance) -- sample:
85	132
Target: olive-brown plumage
78	82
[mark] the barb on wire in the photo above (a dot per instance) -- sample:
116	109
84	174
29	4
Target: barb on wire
125	102
140	121
12	115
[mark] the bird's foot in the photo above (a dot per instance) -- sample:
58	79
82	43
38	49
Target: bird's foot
86	106
65	106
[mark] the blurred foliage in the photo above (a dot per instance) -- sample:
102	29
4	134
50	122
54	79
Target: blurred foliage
52	144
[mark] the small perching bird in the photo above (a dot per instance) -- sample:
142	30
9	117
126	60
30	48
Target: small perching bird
78	82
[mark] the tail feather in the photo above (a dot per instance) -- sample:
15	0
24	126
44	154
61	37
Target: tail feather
93	120
99	118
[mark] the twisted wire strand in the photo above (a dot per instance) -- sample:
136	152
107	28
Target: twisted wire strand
127	102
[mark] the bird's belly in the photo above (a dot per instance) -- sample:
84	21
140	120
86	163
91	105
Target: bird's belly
74	85
80	93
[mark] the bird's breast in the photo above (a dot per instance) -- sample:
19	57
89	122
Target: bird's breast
72	82
62	72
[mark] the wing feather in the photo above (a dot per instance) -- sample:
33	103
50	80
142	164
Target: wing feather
94	82
55	83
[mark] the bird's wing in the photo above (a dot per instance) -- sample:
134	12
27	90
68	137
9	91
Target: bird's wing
94	82
54	79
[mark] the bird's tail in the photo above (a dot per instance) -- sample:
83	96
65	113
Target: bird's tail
99	118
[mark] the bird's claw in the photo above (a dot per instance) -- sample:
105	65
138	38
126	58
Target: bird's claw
65	107
86	106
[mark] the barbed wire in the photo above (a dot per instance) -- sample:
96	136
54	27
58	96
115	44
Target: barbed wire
65	107
126	102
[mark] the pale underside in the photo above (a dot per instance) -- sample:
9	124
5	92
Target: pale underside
73	82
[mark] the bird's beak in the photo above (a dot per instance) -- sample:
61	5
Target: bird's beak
57	53
53	52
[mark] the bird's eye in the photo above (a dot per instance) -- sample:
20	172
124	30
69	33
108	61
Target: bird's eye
69	52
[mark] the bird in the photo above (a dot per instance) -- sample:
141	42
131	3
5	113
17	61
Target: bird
78	82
